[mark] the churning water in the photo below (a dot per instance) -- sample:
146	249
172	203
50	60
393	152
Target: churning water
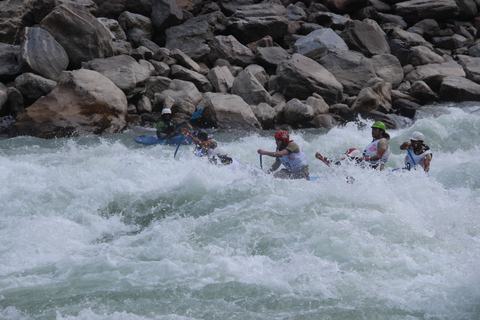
104	228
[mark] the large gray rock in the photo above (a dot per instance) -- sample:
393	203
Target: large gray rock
265	114
9	64
201	82
181	96
253	22
221	79
459	89
365	36
81	35
352	69
110	9
41	54
416	10
165	14
123	70
33	86
471	65
230	49
388	67
297	113
227	112
136	27
317	42
84	102
192	37
421	55
300	77
247	86
271	56
433	74
18	14
375	96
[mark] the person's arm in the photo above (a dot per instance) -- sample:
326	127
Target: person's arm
276	154
405	146
427	161
275	165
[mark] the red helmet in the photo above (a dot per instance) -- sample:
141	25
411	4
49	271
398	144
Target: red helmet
282	135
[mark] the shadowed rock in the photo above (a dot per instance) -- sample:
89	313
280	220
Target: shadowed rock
84	102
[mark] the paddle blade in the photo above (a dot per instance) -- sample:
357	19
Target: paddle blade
178	146
197	114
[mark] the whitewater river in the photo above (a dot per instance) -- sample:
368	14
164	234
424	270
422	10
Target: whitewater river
105	228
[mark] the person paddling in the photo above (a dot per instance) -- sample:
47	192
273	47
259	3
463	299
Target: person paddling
290	154
418	153
167	128
204	144
376	154
351	155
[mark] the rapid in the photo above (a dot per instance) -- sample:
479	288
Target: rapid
104	228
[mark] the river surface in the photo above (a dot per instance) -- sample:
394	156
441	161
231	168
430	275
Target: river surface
104	228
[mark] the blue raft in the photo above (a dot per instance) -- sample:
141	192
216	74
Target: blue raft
153	140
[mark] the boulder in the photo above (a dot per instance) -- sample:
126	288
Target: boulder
81	35
271	57
16	15
227	112
375	96
33	86
181	95
184	60
365	36
416	10
300	77
41	54
297	114
433	74
166	14
201	82
221	79
459	89
471	65
9	64
265	114
136	27
230	49
421	55
346	6
84	102
388	67
123	70
253	22
192	37
247	86
319	42
352	69
423	93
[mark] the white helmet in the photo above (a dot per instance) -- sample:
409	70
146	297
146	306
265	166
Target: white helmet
417	136
219	151
166	111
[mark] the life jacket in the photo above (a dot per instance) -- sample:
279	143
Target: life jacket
294	161
412	159
372	150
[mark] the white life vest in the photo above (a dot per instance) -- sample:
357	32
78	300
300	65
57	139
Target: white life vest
372	150
411	159
294	161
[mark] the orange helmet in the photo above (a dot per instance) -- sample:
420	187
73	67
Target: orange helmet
282	135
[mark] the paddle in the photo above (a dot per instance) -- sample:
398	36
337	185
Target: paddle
321	158
261	166
350	179
193	117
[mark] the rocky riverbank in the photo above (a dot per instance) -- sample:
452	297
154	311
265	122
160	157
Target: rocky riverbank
99	66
